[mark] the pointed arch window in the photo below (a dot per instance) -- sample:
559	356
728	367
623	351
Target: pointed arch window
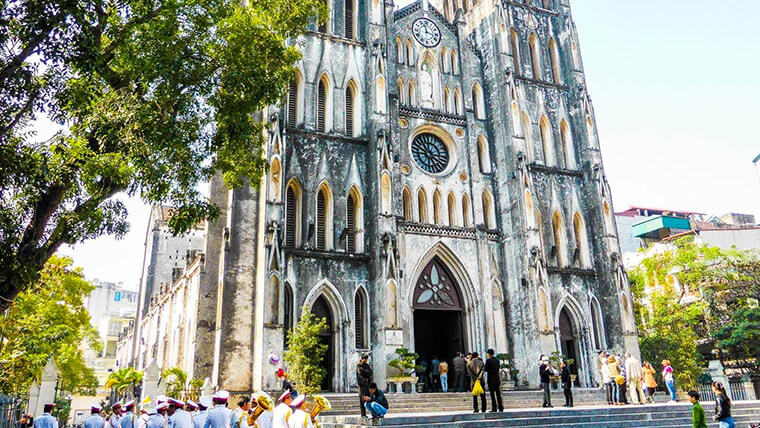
489	216
546	141
452	209
543	311
287	312
399	50
607	216
407	201
596	324
350	19
275	179
457	102
447	100
422	205
412	100
380	96
535	56
516	121
484	157
454	62
444	60
401	91
554	57
558	250
514	44
581	241
529	210
352	107
377	11
385	193
466	216
324	105
478	103
568	149
354	222
437	209
293	215
409	52
361	319
526	128
324	218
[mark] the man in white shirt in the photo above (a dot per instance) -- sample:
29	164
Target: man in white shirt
300	417
94	420
220	415
178	417
199	419
115	416
635	374
129	420
282	412
46	420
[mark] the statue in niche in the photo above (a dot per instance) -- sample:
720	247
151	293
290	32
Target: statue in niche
426	87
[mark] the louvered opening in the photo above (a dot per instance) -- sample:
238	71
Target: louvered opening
349	18
359	320
290	217
350	110
321	106
288	314
321	220
292	100
351	224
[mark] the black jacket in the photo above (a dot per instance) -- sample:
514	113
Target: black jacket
566	379
492	370
722	407
379	398
545	371
363	374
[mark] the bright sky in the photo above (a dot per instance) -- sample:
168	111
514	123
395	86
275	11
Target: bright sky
675	91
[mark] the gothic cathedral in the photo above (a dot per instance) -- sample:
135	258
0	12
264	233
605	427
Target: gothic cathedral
435	183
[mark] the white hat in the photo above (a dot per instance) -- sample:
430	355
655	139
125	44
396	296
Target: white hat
162	399
298	400
284	395
205	402
221	395
128	404
176	403
95	408
162	406
150	411
192	404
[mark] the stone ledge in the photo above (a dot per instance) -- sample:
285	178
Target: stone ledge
333	255
571	271
421	113
554	170
436	230
325	135
544	83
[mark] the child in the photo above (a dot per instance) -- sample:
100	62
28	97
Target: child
697	413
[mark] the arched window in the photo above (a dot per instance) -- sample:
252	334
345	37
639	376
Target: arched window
275	179
272	309
444	60
607	216
380	94
478	103
530	218
324	105
412	100
437	215
409	52
484	157
591	134
596	324
295	100
558	251
325	26
324	218
293	215
454	62
392	306
354	222
466	217
627	315
540	225
361	319
568	149
516	122
546	140
422	205
385	193
581	241
349	19
503	39
452	206
530	150
458	102
554	57
447	100
514	43
407	200
287	303
576	57
353	122
401	91
543	311
535	56
399	50
489	216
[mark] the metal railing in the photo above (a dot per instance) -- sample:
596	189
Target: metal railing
11	409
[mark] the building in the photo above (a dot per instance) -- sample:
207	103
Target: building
112	308
164	260
167	328
435	183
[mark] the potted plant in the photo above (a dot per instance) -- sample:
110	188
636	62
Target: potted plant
406	364
555	360
508	370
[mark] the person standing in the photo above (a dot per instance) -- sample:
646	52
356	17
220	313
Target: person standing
614	374
46	420
545	372
649	381
602	361
722	407
623	378
178	416
129	420
435	371
459	370
634	373
113	421
244	405
567	384
363	378
697	412
287	385
493	371
219	416
94	420
155	418
300	417
475	369
444	370
607	382
281	413
376	403
667	374
199	419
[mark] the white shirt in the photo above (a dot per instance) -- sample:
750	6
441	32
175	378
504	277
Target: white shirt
199	419
218	417
280	416
606	374
94	421
300	419
181	419
114	421
45	421
633	368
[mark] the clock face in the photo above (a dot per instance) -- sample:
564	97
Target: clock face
426	32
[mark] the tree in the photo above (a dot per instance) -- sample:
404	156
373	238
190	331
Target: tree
48	319
124	382
178	385
156	97
305	353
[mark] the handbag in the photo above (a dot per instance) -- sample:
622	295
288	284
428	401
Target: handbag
478	388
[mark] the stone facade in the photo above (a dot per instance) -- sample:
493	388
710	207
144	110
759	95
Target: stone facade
443	197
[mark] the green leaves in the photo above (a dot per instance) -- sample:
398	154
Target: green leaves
305	353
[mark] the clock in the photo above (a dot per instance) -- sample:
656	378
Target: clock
426	32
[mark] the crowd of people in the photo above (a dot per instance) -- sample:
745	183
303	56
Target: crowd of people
623	376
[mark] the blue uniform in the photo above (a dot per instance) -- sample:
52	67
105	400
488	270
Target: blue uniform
45	421
156	421
129	420
94	421
218	417
180	419
199	420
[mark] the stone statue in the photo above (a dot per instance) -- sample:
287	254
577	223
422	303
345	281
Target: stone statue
426	87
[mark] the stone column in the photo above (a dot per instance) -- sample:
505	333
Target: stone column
151	382
44	392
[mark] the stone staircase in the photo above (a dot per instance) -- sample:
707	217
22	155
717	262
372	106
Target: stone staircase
596	416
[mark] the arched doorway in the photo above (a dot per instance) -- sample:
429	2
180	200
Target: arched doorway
568	341
321	309
438	320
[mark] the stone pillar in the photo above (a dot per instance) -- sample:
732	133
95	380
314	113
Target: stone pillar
208	388
152	387
718	374
44	392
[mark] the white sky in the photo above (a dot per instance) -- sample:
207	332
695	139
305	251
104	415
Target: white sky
675	89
